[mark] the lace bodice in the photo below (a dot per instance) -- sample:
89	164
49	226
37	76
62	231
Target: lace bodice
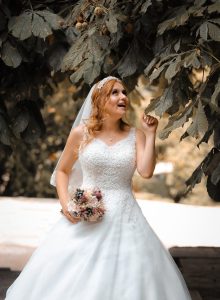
111	168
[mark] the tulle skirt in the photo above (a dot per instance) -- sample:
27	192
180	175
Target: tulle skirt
107	260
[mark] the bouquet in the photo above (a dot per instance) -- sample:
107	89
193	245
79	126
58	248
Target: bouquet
86	204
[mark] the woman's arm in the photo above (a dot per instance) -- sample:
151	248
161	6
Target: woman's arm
145	142
69	156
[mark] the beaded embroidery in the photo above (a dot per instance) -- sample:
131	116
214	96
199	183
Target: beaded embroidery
111	168
103	81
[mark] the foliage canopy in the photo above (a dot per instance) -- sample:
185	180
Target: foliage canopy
41	42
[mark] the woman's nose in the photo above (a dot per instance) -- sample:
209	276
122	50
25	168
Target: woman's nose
123	96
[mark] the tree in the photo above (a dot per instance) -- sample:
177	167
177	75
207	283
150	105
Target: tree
44	41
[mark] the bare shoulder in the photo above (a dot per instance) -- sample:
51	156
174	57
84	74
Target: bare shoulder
78	130
76	134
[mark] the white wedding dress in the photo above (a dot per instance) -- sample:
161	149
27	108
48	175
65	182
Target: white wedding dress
118	258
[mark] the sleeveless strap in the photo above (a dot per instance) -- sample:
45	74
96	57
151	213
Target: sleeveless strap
133	133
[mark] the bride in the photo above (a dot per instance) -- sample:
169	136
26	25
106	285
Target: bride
119	257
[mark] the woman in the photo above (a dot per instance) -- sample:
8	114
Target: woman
119	257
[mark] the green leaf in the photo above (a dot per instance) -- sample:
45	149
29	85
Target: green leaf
191	60
206	59
21	122
71	35
10	55
5	134
216	21
92	73
145	6
40	28
76	54
153	104
214	32
214	7
196	10
214	161
166	101
195	178
79	73
95	50
112	23
163	103
108	64
173	68
151	65
37	23
203	30
208	133
102	41
21	26
128	64
199	2
180	19
200	170
52	19
216	92
176	122
156	73
215	177
200	124
177	45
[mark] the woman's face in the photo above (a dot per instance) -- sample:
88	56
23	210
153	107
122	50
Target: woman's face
117	104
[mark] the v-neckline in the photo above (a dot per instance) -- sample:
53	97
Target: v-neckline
119	141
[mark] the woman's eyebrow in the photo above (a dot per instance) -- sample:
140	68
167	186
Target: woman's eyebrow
116	90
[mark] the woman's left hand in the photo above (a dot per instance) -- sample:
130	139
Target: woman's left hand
149	123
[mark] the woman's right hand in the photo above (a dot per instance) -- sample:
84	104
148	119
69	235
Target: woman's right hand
68	215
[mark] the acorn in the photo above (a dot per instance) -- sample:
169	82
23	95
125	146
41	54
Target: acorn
78	26
80	19
84	25
104	30
129	27
99	11
61	23
198	51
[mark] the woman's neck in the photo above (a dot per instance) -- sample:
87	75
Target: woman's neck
111	126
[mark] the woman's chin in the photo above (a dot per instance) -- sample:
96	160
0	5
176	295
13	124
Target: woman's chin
119	114
122	112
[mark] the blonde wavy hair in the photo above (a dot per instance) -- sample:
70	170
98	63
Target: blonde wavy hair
95	122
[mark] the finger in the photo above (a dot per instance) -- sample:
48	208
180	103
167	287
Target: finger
151	121
144	116
71	218
146	119
74	219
